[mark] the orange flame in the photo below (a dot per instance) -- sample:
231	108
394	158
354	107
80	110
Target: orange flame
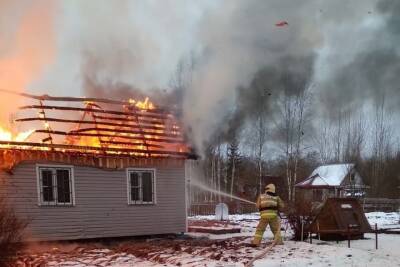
27	53
9	136
88	141
146	104
155	134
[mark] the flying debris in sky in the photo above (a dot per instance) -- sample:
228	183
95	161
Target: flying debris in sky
282	23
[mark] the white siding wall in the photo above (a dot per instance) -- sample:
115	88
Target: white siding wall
101	208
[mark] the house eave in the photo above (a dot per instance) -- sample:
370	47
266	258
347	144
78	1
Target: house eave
319	187
10	158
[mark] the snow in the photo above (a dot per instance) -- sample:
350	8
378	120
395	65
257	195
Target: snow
384	220
200	249
232	217
331	175
362	253
247	222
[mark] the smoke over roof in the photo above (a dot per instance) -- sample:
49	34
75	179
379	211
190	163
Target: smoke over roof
237	52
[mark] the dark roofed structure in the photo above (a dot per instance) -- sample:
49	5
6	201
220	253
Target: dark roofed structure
334	180
340	217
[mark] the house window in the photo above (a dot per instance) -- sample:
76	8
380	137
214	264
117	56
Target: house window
55	185
141	187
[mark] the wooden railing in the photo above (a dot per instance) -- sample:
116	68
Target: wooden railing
380	204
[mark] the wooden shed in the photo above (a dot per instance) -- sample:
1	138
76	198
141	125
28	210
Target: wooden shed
340	217
333	180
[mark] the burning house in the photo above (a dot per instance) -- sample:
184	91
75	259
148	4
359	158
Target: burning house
96	168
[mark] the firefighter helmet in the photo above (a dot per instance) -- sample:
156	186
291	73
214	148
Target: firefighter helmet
270	188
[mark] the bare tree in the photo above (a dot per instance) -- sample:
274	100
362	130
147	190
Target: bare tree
183	75
337	138
261	136
294	113
233	159
354	138
381	145
322	141
218	170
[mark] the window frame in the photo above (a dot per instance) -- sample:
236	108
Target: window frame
54	167
129	191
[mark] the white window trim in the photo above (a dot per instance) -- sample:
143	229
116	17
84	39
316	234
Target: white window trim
128	186
46	204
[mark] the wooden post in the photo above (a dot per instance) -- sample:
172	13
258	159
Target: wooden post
348	236
376	236
302	229
319	235
310	237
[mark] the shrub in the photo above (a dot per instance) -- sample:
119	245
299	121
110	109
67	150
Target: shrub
11	233
299	217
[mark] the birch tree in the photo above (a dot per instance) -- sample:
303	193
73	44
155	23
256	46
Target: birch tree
381	145
233	163
294	112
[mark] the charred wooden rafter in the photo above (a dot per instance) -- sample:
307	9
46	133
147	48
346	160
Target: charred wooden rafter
127	144
123	131
160	140
150	125
127	130
86	149
129	119
147	113
76	99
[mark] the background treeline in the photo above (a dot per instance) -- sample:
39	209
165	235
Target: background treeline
283	125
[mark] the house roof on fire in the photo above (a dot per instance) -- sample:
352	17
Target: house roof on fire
94	128
332	175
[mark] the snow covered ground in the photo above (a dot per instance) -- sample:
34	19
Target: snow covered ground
384	220
362	253
199	249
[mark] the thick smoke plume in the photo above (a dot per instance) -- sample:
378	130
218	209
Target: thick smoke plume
347	50
240	38
363	66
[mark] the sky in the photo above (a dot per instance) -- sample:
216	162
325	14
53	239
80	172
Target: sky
346	50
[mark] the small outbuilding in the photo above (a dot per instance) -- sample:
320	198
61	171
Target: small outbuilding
339	218
334	180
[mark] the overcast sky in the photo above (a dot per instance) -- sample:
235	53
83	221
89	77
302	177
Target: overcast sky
351	48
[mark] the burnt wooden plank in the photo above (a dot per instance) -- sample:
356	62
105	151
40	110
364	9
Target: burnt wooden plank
103	123
72	133
147	113
78	99
127	131
24	145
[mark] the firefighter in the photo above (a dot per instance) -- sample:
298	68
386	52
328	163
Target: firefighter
269	205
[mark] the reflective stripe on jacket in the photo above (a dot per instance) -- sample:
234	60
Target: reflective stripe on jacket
267	201
268	204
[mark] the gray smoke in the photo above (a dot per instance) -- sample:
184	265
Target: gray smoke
368	66
240	39
347	49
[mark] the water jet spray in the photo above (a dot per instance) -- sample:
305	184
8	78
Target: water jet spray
221	193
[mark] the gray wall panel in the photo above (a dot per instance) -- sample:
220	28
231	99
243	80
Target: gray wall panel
101	207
